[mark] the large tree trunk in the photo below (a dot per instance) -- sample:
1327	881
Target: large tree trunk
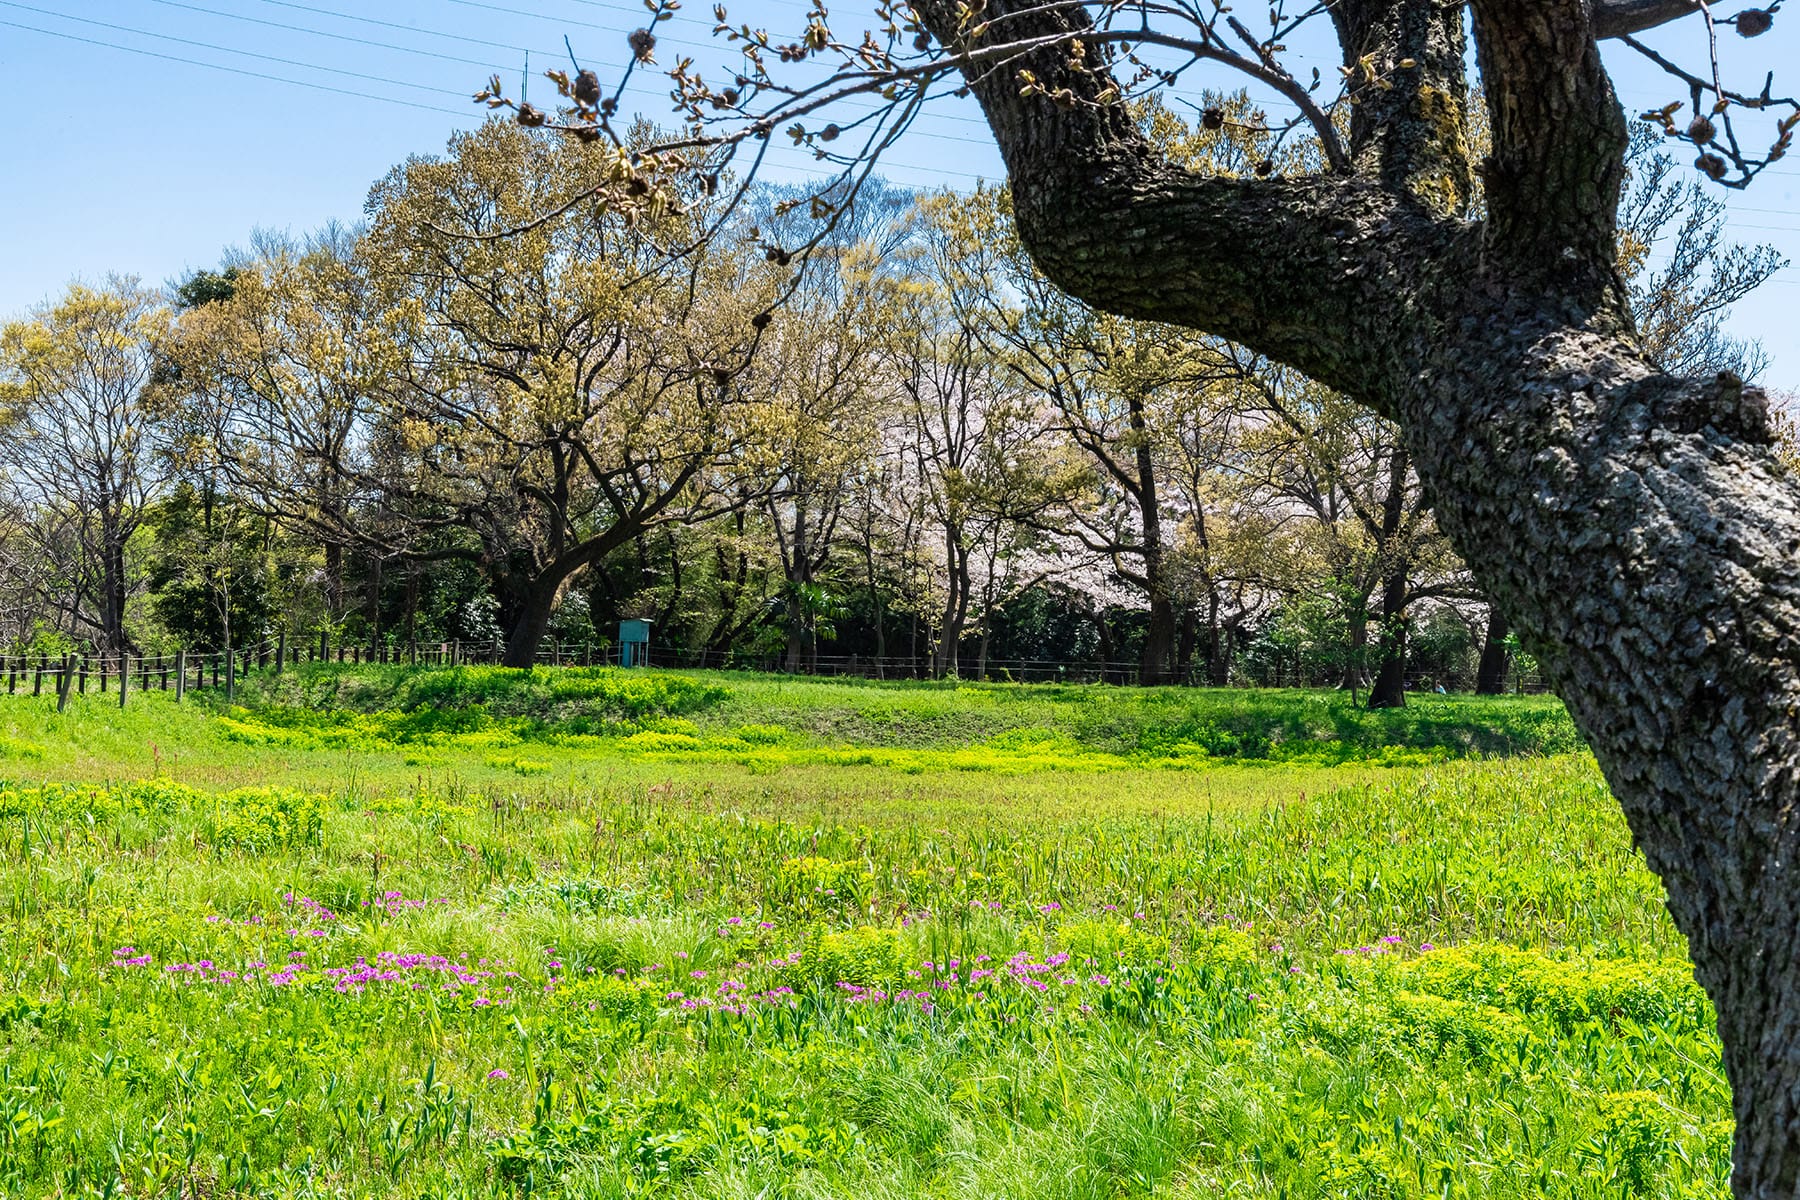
1356	647
1159	643
1645	543
798	560
945	657
1389	689
1490	673
534	605
1638	530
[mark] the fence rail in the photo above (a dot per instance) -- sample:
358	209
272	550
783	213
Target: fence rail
184	671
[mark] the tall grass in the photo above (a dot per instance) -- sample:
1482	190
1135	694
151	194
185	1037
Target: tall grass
691	977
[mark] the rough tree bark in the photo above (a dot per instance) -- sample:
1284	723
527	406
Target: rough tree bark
1638	530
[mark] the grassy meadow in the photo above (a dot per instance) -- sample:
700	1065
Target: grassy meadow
409	933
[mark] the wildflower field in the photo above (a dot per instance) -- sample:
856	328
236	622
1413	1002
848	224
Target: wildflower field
408	933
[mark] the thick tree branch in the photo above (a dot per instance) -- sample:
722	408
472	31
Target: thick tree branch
1303	270
1621	18
1557	167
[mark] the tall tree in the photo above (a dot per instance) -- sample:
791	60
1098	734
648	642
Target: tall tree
967	423
1639	528
273	377
1112	385
81	441
565	390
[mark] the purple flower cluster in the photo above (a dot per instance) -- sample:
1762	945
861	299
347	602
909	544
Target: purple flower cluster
205	972
735	998
309	906
1386	945
391	903
416	971
392	967
856	994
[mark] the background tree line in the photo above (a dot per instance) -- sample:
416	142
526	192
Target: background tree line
500	411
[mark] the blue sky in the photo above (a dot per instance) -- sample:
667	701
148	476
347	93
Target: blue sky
123	153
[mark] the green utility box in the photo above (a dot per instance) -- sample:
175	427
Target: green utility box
634	643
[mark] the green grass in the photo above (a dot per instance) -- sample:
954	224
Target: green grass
1208	977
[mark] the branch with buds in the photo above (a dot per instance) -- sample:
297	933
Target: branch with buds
1712	127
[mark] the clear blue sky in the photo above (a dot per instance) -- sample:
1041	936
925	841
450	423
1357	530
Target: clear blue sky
130	156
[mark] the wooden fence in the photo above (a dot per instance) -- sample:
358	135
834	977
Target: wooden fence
184	670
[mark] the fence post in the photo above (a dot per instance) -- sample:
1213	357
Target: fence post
280	650
65	680
180	674
124	678
81	674
230	674
37	681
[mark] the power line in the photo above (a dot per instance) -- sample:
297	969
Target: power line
166	37
454	37
549	54
194	62
487	66
340	37
520	12
451	58
807	169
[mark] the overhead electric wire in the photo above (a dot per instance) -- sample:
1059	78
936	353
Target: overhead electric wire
550	55
339	37
286	62
194	62
486	65
801	168
437	33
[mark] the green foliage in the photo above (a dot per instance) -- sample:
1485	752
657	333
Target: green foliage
695	717
863	954
593	693
1568	993
1108	943
260	820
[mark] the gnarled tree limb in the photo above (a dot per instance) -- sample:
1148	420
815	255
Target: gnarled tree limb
1620	18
